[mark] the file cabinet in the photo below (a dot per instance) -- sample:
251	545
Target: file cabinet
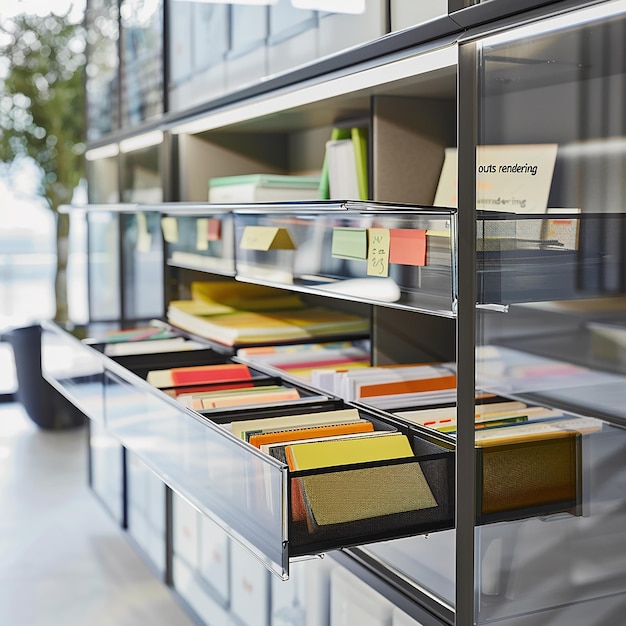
537	317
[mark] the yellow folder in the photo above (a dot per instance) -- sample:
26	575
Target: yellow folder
346	451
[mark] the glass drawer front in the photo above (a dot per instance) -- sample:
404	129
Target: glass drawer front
200	242
104	266
219	474
224	479
400	258
74	369
550	257
142	266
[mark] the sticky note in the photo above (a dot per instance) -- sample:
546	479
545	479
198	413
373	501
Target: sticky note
207	229
169	225
378	252
144	238
214	229
407	246
266	238
349	243
202	228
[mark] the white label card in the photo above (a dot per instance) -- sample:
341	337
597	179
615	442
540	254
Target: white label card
511	178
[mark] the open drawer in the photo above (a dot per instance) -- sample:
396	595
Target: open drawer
76	367
250	494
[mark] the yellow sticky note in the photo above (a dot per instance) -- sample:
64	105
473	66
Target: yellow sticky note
378	252
169	225
266	238
144	238
202	228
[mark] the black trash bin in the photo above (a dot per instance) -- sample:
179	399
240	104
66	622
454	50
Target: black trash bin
42	402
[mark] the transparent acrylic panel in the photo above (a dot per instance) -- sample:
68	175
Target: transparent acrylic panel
386	254
198	45
227	480
102	84
287	20
406	14
141	176
424	557
293	36
106	458
350	23
210	35
554	269
247	55
180	52
564	256
203	241
427	561
143	265
248	27
77	288
142	60
74	369
104	266
103	185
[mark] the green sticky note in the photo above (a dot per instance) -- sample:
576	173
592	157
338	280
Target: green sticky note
349	243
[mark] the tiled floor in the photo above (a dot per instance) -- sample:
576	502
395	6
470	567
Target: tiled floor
63	561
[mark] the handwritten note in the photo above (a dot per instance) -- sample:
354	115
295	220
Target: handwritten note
378	252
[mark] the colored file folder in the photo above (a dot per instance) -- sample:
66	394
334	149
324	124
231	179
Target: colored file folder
198	374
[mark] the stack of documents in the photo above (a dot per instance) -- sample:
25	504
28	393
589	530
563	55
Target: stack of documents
263	188
151	339
301	360
400	384
248	314
504	421
256	395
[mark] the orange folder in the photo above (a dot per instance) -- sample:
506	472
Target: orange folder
408	386
279	436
